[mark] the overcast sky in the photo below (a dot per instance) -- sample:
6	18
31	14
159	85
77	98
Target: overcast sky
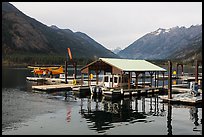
114	24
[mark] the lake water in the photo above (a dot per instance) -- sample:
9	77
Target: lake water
28	112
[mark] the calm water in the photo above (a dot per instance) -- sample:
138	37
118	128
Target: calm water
28	112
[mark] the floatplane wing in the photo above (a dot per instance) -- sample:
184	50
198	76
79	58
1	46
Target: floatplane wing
40	70
41	67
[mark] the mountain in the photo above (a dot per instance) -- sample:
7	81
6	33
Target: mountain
116	50
190	52
173	43
22	35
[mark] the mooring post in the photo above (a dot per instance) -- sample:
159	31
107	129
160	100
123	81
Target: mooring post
170	80
65	72
196	71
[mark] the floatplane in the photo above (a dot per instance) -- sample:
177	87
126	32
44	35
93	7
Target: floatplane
50	74
46	74
41	70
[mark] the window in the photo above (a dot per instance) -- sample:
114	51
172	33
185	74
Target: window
120	80
106	79
115	79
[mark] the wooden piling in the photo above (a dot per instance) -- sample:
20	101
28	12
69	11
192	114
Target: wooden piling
170	80
196	71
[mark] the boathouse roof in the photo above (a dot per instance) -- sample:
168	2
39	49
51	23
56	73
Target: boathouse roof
125	65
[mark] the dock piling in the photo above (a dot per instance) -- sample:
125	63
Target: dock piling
170	80
196	71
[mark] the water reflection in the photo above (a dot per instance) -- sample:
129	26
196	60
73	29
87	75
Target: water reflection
169	119
102	114
194	117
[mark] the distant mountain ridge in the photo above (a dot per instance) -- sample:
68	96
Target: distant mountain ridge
24	35
117	50
165	44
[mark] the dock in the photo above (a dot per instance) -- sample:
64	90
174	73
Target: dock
53	87
185	98
77	89
189	78
132	92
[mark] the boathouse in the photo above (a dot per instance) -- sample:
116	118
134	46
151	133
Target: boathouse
124	68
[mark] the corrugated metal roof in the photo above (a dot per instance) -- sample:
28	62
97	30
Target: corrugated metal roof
132	65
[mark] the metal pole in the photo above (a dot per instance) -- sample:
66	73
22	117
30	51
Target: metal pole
170	80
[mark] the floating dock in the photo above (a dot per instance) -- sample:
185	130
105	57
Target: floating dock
185	98
189	78
132	92
53	87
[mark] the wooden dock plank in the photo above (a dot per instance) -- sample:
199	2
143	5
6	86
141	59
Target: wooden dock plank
182	98
52	87
181	89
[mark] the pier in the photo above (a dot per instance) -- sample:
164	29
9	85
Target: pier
184	98
121	80
53	87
